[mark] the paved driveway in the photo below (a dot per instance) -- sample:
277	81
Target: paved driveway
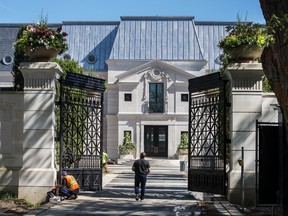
166	194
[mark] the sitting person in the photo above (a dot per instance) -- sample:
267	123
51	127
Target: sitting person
69	187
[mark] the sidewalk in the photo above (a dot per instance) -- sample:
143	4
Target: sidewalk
166	194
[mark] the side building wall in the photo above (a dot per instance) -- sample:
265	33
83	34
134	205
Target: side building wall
248	105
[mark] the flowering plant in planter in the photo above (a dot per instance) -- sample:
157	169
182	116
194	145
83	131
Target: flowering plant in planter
33	37
245	33
244	43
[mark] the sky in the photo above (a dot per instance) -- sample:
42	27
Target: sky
56	11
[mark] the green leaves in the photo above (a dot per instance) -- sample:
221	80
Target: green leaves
40	35
127	147
184	141
245	33
278	25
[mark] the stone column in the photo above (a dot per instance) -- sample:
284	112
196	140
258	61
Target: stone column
246	100
38	173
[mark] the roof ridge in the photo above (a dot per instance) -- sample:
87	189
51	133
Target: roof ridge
148	18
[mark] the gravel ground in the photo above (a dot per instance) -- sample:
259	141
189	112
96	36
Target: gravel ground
14	207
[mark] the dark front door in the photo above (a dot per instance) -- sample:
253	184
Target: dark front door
156	141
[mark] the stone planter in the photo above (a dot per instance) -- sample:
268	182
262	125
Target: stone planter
182	151
245	53
183	157
41	54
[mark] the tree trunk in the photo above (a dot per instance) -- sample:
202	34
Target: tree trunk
275	66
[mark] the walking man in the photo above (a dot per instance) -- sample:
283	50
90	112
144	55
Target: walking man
141	167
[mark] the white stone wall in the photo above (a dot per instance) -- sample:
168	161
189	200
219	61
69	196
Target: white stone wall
248	105
11	139
38	173
112	99
112	136
27	126
270	108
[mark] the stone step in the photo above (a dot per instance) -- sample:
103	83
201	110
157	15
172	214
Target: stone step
155	162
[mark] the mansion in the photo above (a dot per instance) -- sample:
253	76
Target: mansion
146	62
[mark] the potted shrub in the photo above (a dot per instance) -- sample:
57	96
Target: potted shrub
127	149
245	41
182	149
41	43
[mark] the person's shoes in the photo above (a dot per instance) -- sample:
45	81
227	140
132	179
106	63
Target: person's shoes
50	194
65	197
141	200
137	197
72	197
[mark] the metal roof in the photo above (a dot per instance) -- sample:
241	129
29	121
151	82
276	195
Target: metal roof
209	34
166	38
8	35
178	38
94	38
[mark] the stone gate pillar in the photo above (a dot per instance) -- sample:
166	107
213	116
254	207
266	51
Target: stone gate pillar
246	100
38	173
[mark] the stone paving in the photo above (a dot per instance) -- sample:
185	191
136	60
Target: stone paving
166	194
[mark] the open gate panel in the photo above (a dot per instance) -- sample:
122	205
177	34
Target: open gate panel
207	134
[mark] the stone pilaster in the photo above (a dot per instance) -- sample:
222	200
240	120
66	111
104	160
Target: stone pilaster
246	100
38	173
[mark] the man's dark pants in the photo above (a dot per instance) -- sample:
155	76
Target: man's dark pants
140	179
67	192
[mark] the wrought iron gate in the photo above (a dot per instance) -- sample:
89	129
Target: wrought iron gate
81	129
207	134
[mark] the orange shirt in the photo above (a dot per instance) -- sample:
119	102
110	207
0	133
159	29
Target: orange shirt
71	182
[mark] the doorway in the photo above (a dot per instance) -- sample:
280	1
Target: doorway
156	141
268	163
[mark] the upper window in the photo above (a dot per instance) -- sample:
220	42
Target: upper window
67	57
184	97
91	59
156	97
7	60
127	97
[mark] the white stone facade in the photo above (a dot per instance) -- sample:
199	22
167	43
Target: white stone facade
134	115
